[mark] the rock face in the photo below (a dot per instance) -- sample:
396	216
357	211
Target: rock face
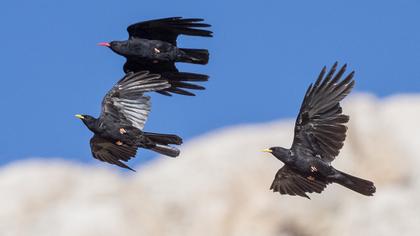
220	186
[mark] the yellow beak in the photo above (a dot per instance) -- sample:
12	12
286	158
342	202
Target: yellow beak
267	150
80	116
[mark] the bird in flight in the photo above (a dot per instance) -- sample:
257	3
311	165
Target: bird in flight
320	132
118	132
152	46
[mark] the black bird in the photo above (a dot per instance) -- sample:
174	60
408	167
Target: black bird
118	131
152	46
319	135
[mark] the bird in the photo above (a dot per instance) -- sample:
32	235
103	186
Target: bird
118	131
319	135
152	46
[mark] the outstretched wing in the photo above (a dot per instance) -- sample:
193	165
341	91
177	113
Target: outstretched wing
320	126
179	82
136	65
112	153
291	183
168	29
126	101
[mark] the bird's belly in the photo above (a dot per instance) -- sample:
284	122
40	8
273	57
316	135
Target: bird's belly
117	134
140	52
312	167
302	165
110	134
153	50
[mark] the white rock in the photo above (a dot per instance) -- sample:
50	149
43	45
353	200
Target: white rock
220	186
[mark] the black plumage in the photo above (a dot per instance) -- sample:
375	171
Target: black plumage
118	131
320	132
152	46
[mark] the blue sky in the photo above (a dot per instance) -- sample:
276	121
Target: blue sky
263	56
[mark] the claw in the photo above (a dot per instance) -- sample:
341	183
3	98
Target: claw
314	169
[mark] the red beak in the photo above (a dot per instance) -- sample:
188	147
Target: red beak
104	44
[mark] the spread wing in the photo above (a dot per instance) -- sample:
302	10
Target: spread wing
168	29
126	101
291	183
179	81
136	65
320	126
107	151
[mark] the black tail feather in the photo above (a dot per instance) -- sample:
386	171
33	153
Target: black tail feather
164	139
359	185
195	56
166	150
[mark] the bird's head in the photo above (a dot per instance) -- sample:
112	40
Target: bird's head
118	47
88	120
283	154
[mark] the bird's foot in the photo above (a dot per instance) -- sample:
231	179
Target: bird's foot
123	131
157	50
119	143
314	169
311	178
155	61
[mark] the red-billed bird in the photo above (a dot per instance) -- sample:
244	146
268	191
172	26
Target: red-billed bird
319	135
152	46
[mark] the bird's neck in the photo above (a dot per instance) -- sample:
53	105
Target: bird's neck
285	158
93	125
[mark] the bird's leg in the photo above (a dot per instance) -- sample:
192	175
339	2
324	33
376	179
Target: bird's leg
155	61
123	131
157	50
119	143
314	169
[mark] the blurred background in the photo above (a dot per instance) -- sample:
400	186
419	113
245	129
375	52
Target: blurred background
264	54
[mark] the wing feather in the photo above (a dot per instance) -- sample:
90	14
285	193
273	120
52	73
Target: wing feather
179	81
320	126
107	151
168	29
126	101
291	183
